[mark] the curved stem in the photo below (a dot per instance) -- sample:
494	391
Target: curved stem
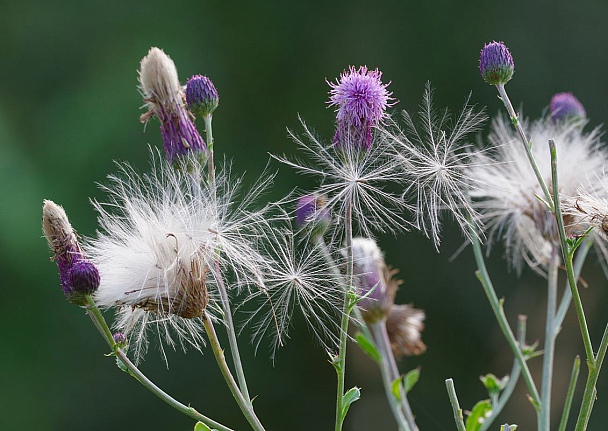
100	323
245	407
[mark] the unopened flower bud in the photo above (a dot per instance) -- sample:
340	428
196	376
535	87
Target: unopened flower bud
311	211
120	339
164	99
496	63
201	96
566	107
84	277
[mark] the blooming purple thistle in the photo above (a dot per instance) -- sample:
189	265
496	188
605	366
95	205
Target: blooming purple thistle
496	63
311	209
201	96
361	99
84	277
564	107
164	99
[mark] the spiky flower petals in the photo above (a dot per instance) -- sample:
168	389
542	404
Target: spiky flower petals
201	96
164	98
404	326
361	99
509	201
496	63
566	107
435	158
166	239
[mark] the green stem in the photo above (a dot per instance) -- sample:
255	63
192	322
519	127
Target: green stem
381	338
567	256
513	378
527	144
590	390
210	143
340	363
100	323
576	368
499	313
245	406
458	418
549	348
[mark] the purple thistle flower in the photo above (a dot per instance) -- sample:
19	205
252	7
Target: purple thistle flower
564	107
361	99
201	96
311	211
496	63
120	339
84	277
164	99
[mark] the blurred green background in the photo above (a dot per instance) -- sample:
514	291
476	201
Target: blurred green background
69	107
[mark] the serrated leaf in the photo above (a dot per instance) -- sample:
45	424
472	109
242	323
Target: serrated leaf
352	395
201	427
120	364
368	346
478	415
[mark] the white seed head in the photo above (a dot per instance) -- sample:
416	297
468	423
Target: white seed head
159	81
57	229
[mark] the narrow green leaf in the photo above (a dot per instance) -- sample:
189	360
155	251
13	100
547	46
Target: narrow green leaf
201	427
352	395
478	415
408	381
368	346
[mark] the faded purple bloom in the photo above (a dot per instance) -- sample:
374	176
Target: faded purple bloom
311	209
164	99
361	99
564	107
496	63
84	277
201	96
119	338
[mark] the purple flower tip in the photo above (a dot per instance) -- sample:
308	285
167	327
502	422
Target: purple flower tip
361	99
84	277
496	63
565	107
119	338
311	209
201	96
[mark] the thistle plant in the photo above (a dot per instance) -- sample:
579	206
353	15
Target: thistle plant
186	247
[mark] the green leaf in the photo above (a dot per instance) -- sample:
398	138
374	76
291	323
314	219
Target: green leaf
120	364
368	346
507	427
352	395
493	384
201	427
478	415
408	381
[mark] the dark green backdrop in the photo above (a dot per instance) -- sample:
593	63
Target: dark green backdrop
69	107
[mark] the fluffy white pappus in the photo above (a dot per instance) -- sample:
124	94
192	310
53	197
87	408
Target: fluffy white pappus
434	159
165	238
355	181
510	204
159	82
300	279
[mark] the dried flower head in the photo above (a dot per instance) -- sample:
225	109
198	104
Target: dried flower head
361	99
566	107
496	63
201	96
509	204
164	98
404	326
166	239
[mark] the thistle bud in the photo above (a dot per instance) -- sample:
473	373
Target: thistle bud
120	339
311	211
62	240
83	277
164	99
201	96
496	63
566	107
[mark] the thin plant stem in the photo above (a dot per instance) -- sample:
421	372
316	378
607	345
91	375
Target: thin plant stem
549	347
458	418
505	395
102	326
579	260
567	256
210	144
379	330
576	368
243	404
340	363
499	313
527	144
590	391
